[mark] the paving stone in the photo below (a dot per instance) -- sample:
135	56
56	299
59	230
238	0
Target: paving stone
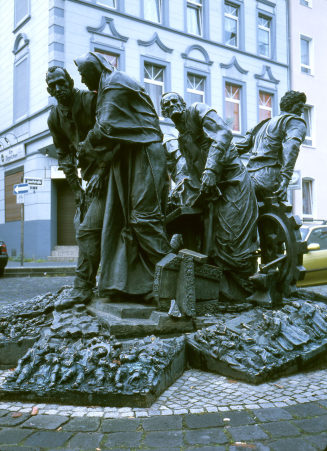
311	425
323	402
85	424
45	421
165	439
290	444
161	423
237	418
306	410
205	448
319	440
281	429
203	421
85	441
272	414
256	447
13	436
128	438
3	413
48	439
243	433
120	425
19	448
9	420
210	436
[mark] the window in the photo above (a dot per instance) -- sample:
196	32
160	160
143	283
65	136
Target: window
307	196
307	116
264	35
21	87
233	106
154	82
194	16
231	24
305	2
21	11
109	3
306	55
265	105
195	88
12	209
111	57
153	10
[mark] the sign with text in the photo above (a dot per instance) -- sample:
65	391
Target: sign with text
33	181
12	154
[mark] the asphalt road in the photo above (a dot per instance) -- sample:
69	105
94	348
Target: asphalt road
13	289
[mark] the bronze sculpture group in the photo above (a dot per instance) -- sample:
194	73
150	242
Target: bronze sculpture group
177	224
112	133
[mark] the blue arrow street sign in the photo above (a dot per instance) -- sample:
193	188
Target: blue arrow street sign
21	188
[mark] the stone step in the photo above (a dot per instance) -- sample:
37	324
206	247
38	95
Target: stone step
62	258
128	310
39	271
159	323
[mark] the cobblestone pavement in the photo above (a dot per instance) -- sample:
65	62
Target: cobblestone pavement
199	411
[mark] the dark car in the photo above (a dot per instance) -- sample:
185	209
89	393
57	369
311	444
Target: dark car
3	256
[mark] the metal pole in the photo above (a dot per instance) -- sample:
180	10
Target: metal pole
22	234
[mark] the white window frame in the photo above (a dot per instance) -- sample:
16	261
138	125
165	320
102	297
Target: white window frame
196	91
268	30
198	6
309	66
263	107
309	138
159	5
312	182
153	81
237	101
102	3
236	18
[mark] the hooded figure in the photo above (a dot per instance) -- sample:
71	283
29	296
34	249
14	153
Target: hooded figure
127	139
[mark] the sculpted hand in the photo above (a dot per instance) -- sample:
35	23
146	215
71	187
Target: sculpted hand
81	150
208	182
281	192
79	197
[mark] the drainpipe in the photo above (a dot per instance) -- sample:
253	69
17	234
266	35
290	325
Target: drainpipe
289	43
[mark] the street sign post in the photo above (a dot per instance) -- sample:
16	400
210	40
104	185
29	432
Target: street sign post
21	188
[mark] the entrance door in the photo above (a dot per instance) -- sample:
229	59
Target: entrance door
65	214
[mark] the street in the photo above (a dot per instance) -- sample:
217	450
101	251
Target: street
13	289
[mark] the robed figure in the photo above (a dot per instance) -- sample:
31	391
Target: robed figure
128	139
216	179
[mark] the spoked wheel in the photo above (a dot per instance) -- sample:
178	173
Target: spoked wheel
281	245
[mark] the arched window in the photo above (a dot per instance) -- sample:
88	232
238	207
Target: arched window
21	77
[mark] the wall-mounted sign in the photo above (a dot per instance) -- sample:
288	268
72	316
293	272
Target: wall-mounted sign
11	154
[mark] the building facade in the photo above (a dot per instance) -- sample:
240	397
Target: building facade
309	73
232	55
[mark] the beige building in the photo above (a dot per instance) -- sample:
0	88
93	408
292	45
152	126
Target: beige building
308	73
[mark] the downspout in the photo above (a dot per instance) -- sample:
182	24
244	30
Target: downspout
289	43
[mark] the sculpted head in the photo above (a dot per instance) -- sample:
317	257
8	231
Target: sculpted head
293	102
60	84
172	105
90	66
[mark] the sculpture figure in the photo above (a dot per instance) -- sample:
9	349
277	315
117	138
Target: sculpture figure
217	181
274	145
127	134
69	122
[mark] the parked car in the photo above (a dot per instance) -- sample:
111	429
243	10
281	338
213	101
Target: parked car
3	256
315	261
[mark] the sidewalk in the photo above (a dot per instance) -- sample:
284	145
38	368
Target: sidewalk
199	411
